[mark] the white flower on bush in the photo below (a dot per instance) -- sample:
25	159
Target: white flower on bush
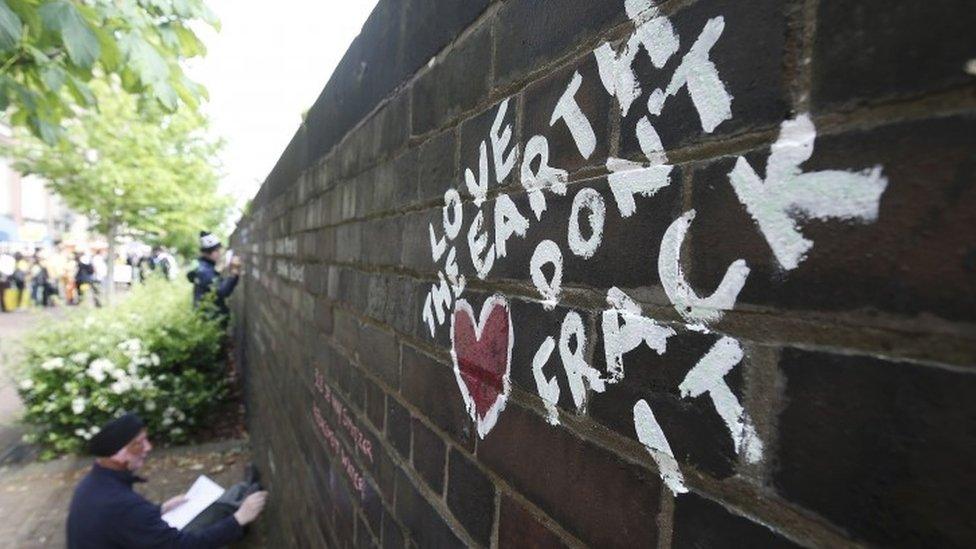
98	368
167	421
150	405
80	358
55	363
117	373
154	359
131	346
27	384
78	405
121	386
176	431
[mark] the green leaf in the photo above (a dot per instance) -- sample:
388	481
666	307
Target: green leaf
78	38
80	91
27	11
53	77
111	56
10	27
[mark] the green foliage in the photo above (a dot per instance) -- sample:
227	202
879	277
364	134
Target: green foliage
143	172
152	353
50	50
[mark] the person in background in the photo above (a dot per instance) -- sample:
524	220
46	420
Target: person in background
39	279
19	278
164	262
86	280
7	266
105	511
206	279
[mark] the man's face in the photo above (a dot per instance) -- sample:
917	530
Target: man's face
214	255
135	452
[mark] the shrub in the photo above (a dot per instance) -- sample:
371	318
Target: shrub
151	353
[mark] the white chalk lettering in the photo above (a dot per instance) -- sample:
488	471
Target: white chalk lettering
547	177
574	361
508	221
548	389
570	112
708	377
696	71
478	187
649	433
453	214
547	253
590	200
437	245
499	142
624	329
788	193
478	245
628	179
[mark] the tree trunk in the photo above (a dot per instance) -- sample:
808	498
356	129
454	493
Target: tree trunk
110	270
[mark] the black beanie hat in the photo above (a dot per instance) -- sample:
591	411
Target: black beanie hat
115	435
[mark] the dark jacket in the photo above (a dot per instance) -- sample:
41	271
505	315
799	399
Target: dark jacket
206	279
106	513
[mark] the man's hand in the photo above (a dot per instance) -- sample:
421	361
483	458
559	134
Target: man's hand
251	508
235	265
172	503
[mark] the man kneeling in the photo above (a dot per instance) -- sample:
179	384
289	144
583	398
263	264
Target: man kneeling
107	513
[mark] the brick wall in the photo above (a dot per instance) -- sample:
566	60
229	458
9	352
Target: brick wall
574	272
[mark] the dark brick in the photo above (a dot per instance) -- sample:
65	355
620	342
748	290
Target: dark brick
695	432
323	316
430	25
911	260
416	254
425	525
346	330
590	492
749	59
392	535
436	166
519	528
541	99
398	427
375	404
883	449
431	387
875	49
382	241
428	456
471	497
379	354
404	178
339	107
699	522
531	33
453	85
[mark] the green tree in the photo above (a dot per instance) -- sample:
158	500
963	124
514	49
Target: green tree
50	51
141	172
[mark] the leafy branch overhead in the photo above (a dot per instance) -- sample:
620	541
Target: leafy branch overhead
143	172
50	50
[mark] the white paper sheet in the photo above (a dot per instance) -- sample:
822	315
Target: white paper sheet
203	492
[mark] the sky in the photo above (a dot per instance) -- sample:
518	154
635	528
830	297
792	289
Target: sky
267	65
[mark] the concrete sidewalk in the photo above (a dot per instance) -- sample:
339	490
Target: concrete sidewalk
34	498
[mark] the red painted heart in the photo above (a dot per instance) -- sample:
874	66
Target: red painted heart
482	355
